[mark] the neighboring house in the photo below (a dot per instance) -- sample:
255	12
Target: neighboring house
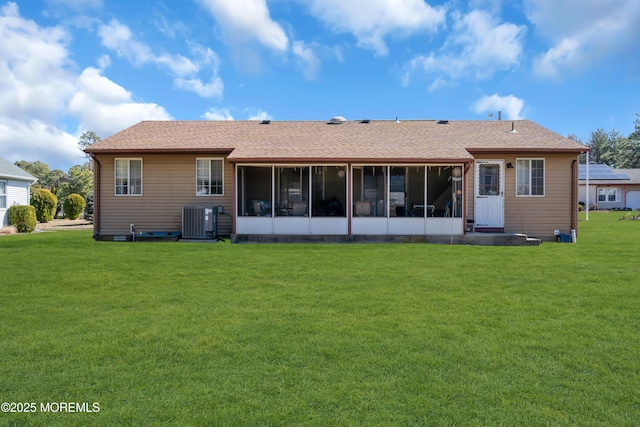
338	178
14	188
609	188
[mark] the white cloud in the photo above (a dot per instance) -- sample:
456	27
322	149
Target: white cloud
510	105
245	21
171	29
218	114
257	114
222	114
583	32
478	47
119	38
370	21
104	61
307	59
214	88
34	81
35	140
106	107
42	95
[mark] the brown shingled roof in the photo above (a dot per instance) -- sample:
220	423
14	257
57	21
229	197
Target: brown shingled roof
413	140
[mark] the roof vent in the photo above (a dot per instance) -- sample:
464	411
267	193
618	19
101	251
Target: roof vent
265	122
365	121
443	122
337	120
513	127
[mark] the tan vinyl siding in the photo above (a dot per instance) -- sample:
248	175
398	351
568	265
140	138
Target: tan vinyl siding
168	184
534	216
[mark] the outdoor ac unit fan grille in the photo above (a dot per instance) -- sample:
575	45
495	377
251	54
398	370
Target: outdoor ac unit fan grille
198	222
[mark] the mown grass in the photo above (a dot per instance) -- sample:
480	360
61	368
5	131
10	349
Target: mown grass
322	334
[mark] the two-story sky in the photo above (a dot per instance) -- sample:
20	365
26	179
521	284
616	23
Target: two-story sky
67	66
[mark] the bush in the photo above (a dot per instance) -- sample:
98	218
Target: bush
46	204
23	217
73	206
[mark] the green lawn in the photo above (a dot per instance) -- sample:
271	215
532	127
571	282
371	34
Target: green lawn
323	334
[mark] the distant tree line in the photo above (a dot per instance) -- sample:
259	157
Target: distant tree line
77	180
612	148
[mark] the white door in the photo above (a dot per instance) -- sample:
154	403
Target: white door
489	192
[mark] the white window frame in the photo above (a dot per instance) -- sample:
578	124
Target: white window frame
209	160
129	187
607	192
3	194
529	178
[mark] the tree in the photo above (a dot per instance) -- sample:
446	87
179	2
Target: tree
79	180
613	149
635	135
627	153
47	178
600	148
86	139
38	169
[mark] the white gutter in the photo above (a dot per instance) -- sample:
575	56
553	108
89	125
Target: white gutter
31	180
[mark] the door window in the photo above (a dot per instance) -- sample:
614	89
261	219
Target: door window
488	180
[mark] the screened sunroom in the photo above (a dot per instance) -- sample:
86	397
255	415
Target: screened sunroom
341	199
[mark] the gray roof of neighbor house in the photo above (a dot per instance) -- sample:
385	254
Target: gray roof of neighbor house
633	174
603	174
361	140
9	170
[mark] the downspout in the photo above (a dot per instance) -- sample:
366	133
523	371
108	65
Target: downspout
96	197
349	201
234	208
574	195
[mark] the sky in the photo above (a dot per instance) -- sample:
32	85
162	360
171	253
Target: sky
70	66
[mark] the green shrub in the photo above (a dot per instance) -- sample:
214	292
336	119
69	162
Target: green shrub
23	217
73	206
46	204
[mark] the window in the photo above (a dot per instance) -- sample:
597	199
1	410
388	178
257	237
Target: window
128	177
209	177
530	177
3	194
609	194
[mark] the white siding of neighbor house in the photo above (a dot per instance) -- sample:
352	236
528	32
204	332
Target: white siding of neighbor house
17	194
